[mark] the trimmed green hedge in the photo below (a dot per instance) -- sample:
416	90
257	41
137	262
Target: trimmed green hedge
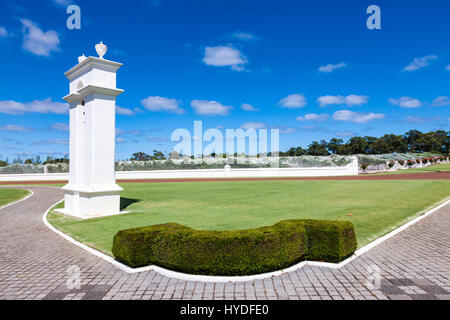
240	252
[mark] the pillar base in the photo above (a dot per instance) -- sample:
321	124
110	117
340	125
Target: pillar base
86	202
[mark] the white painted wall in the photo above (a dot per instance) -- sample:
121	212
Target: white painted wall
349	170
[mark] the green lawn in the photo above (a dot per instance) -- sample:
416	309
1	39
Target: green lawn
433	168
11	195
376	207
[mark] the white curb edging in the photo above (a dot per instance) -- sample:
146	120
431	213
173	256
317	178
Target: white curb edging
190	277
15	202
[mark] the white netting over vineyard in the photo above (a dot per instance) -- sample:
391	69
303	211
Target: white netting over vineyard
234	162
381	161
18	168
373	162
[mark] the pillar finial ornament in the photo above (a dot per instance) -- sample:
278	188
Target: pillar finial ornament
101	49
81	58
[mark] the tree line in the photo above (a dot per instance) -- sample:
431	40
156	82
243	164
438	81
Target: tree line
35	160
412	141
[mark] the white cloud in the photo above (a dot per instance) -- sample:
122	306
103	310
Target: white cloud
3	32
248	107
60	126
223	56
63	3
210	108
293	101
51	153
418	120
313	117
135	132
51	141
288	130
25	153
354	100
285	130
12	107
406	102
327	100
253	125
157	139
331	67
37	41
36	106
356	117
14	128
124	111
441	101
245	36
447	67
345	134
415	120
419	63
315	128
48	106
162	104
349	101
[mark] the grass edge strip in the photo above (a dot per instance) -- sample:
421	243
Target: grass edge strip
203	278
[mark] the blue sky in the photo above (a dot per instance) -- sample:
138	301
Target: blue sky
311	68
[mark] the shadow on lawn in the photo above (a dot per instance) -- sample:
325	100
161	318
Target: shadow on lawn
125	202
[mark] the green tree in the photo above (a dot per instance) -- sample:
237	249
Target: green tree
371	141
414	140
158	155
140	156
293	152
390	143
334	144
358	145
318	148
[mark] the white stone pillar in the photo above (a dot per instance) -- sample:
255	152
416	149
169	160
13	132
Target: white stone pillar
92	190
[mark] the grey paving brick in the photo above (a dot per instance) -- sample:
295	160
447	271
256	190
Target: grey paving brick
400	297
34	262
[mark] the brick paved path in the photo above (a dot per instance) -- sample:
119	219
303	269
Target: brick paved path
34	262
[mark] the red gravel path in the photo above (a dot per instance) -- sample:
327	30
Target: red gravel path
445	175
